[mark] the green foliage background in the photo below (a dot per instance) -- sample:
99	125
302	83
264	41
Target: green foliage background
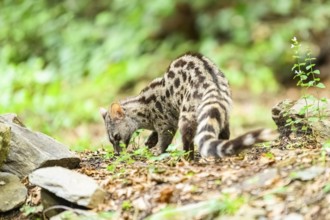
62	59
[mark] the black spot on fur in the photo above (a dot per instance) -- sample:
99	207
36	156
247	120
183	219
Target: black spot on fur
184	76
160	116
180	63
159	107
141	115
155	84
189	78
205	85
197	71
145	100
201	79
167	94
162	98
145	89
171	74
177	83
191	65
184	118
197	95
171	90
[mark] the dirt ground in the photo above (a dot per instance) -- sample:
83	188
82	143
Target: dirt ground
273	182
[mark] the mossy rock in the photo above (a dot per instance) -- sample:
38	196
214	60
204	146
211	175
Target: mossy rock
5	136
312	124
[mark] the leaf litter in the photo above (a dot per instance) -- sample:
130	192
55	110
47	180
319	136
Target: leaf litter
274	182
261	183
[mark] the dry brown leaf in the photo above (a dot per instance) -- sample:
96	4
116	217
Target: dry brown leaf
165	194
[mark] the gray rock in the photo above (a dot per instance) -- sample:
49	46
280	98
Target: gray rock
200	210
13	192
288	109
49	201
31	150
78	214
4	142
293	216
308	174
69	185
262	179
13	118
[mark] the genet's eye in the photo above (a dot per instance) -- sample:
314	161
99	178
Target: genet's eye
117	137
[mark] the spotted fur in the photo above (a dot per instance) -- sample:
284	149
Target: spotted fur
192	96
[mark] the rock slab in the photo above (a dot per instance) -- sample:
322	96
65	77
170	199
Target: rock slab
12	192
69	185
31	150
4	142
289	109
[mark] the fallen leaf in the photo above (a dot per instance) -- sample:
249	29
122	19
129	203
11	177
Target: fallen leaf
165	194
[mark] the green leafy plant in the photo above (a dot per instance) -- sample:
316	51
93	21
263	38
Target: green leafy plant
143	152
308	77
124	158
30	211
304	68
325	152
326	188
173	155
126	205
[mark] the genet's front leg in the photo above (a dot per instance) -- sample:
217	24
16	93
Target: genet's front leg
165	138
152	140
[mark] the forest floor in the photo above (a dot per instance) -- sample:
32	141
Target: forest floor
285	179
262	183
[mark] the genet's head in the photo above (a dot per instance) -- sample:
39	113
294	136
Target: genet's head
118	126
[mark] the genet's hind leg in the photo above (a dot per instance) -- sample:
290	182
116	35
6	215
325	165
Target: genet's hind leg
225	133
152	140
187	128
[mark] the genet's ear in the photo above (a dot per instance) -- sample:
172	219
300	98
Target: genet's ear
116	111
103	112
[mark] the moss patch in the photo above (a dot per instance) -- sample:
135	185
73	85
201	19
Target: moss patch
5	136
